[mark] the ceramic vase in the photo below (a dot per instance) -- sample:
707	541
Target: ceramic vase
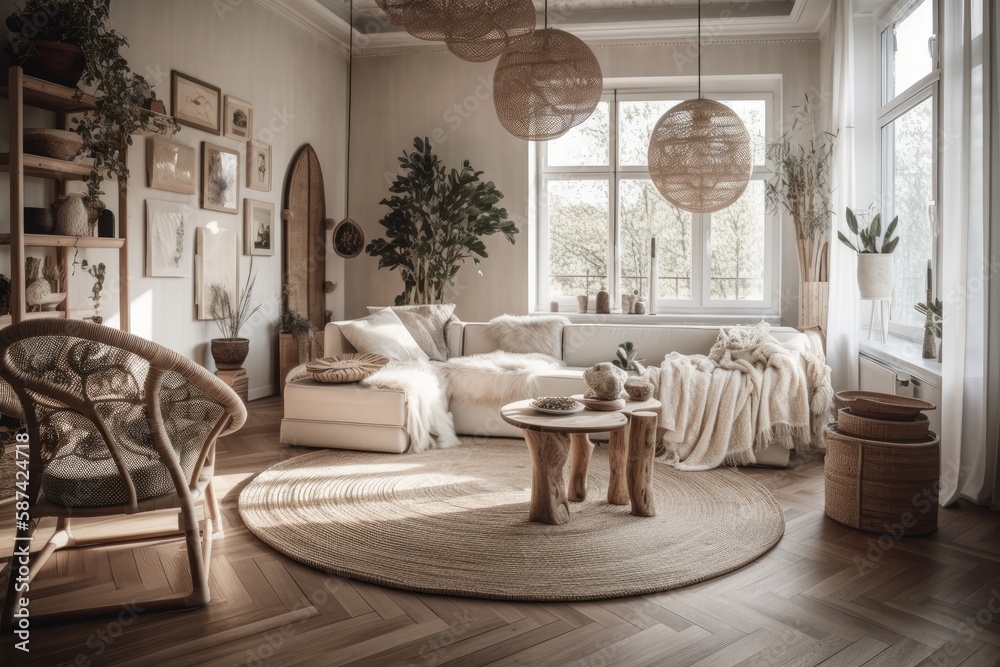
72	218
875	276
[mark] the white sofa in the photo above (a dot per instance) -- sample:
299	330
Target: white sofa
349	416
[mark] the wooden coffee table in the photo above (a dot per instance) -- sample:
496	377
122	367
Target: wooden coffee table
548	438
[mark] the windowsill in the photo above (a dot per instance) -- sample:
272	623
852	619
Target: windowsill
671	318
902	353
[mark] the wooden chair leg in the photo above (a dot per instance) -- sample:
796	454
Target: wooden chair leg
581	448
212	503
548	490
200	594
617	458
641	449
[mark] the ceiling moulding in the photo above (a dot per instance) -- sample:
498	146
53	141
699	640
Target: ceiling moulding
314	19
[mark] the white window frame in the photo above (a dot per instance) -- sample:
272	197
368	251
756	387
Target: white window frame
614	173
890	110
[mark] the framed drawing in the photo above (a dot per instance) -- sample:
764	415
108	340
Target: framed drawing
195	103
238	120
220	178
217	263
168	227
259	166
170	166
258	227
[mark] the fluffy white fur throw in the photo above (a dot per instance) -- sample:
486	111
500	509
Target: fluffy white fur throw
494	378
428	421
749	392
528	333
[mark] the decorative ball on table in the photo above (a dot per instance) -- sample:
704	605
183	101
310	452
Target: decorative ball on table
606	381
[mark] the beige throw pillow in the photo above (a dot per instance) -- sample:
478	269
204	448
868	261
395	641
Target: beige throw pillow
528	333
427	324
383	333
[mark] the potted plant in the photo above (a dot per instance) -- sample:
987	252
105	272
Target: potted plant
875	275
40	27
933	312
625	359
295	334
437	221
801	185
230	351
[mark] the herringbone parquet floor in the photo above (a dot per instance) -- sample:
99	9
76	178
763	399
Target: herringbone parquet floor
825	595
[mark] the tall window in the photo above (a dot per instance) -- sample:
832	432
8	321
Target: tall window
909	168
599	212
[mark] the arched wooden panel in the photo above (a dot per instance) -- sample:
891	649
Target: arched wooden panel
305	238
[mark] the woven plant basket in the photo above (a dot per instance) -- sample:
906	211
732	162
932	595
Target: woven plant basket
345	368
882	430
882	487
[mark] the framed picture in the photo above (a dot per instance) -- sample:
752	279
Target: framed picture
170	166
259	166
217	265
220	178
195	103
258	227
238	119
168	227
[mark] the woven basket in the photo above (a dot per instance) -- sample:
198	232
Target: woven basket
345	368
882	487
882	430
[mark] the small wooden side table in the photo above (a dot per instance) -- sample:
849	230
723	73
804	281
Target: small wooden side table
238	380
621	457
548	438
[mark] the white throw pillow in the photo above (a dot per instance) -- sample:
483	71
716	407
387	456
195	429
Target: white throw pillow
427	324
383	333
528	333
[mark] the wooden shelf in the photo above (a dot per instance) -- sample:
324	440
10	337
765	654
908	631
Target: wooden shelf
5	321
46	167
56	241
53	97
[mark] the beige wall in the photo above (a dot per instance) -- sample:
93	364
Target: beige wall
297	88
400	96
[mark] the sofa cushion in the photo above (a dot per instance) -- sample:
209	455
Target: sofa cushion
528	333
383	333
427	324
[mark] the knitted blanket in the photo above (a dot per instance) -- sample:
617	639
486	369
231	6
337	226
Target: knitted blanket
749	392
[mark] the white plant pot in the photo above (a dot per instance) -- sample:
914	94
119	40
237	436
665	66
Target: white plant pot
875	276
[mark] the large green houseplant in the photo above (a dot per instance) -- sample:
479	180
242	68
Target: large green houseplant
437	221
122	95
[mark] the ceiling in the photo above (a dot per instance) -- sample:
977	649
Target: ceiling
591	20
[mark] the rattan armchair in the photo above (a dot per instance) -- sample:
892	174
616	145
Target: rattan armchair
116	425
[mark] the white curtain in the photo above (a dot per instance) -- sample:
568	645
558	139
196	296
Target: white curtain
968	457
838	73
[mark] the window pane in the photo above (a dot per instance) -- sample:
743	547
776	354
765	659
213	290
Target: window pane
905	46
645	214
753	113
636	121
585	145
578	236
738	248
909	148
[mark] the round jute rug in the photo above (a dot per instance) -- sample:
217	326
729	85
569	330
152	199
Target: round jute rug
455	521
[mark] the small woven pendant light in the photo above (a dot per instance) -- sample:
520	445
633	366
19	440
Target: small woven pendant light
546	84
348	237
700	158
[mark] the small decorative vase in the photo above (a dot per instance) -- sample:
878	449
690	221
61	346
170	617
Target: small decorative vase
581	303
554	307
230	353
72	218
627	300
875	275
603	302
640	306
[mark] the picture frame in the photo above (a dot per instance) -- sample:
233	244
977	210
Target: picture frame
258	228
220	178
258	166
238	119
168	229
171	166
217	262
195	103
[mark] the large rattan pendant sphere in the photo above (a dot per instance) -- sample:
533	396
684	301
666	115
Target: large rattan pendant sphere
700	158
546	84
398	11
488	30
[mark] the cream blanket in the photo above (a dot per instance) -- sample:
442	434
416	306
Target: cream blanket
749	392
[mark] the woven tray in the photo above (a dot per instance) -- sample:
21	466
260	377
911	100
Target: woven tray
345	367
882	429
877	405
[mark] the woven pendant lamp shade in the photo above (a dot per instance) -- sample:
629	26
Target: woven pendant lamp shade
397	11
490	28
546	84
700	158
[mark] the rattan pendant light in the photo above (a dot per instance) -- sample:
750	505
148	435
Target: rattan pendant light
546	84
348	237
700	158
489	29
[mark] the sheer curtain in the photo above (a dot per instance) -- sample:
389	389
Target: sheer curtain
968	437
838	74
